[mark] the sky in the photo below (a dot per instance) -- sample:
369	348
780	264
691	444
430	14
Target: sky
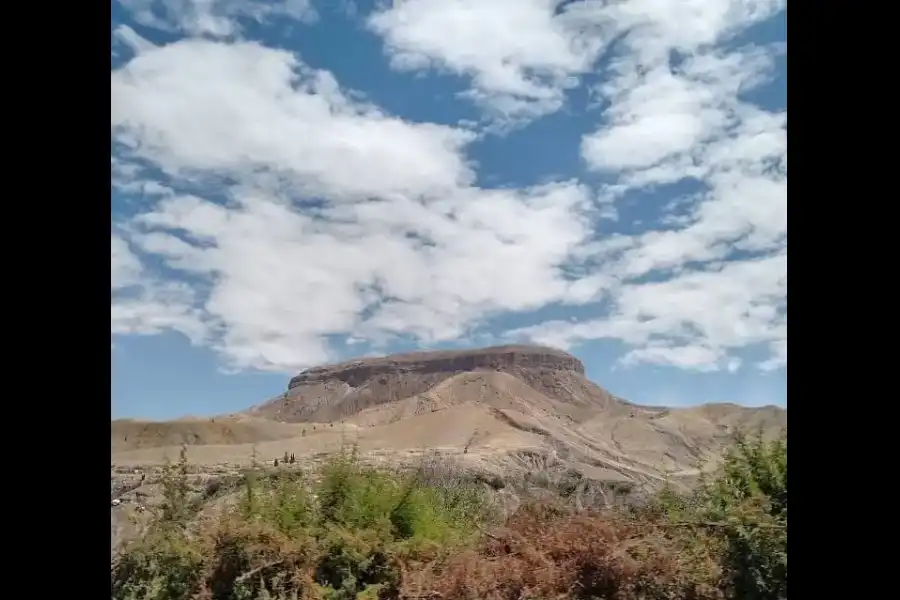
301	182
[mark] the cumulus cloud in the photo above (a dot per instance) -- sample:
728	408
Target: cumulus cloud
144	305
398	243
281	281
290	212
778	358
213	18
691	320
244	109
520	54
678	301
125	266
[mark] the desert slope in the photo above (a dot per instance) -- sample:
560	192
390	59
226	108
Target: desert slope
513	413
129	434
335	392
499	407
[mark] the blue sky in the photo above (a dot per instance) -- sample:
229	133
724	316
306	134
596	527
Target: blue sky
302	182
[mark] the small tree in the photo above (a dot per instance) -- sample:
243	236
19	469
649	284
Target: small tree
747	502
175	490
250	503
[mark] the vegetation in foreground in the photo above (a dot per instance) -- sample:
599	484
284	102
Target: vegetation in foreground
353	532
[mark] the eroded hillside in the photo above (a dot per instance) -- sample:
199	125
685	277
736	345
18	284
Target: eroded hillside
493	405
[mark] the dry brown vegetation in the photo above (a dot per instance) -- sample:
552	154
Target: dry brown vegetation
355	532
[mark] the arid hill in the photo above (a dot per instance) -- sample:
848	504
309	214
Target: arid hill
502	408
335	392
518	412
130	434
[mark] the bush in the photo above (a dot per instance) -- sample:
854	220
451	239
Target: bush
162	566
351	532
545	553
348	532
749	500
725	541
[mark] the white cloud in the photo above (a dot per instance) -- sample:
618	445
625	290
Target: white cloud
655	27
340	220
281	281
243	108
667	122
216	18
691	320
158	309
130	38
521	58
125	266
143	305
779	356
400	244
700	358
522	55
659	113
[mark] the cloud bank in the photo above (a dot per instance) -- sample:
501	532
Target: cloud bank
280	212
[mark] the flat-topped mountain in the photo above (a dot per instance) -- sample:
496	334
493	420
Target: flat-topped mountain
499	358
335	392
501	408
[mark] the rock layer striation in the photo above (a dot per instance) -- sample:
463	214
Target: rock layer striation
498	358
337	391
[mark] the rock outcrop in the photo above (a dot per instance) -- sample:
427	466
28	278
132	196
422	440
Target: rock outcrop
497	358
334	392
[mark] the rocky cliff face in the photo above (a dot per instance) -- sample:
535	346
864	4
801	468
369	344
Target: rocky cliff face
498	358
336	391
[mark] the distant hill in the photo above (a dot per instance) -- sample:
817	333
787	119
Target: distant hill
501	407
335	392
130	434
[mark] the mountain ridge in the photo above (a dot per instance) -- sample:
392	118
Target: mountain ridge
339	391
497	407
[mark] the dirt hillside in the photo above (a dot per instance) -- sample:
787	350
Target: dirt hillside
332	393
495	406
519	413
129	434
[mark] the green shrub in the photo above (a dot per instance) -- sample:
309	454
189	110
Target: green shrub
175	508
355	562
351	532
749	498
282	500
340	536
742	511
162	566
354	496
412	506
